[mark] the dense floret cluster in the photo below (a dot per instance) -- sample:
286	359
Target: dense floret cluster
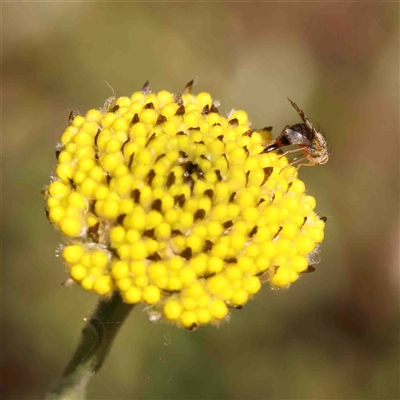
166	201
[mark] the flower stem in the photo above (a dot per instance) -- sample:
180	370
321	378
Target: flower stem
97	338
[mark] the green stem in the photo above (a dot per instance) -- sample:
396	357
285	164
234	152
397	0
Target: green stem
97	338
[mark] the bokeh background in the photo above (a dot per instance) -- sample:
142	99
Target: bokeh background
332	335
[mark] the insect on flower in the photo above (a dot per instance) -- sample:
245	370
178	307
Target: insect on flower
310	142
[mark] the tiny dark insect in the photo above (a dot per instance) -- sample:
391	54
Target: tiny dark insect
309	139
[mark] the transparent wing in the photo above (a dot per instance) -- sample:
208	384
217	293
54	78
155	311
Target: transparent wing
297	138
302	115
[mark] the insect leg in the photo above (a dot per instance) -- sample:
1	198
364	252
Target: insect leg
290	152
302	164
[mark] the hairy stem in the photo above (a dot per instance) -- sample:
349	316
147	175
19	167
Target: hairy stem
97	338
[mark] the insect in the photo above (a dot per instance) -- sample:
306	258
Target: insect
309	139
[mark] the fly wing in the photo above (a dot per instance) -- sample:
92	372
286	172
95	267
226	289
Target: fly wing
302	115
297	138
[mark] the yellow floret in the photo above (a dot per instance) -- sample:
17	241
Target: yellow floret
304	244
65	172
86	260
172	310
218	309
124	284
120	269
58	189
138	268
83	138
70	226
87	187
165	97
78	272
99	258
241	116
110	209
239	297
94	115
138	251
252	284
299	263
132	235
217	284
68	134
111	161
73	253
188	319
133	295
87	283
316	233
203	316
103	285
151	294
117	235
86	164
77	200
56	213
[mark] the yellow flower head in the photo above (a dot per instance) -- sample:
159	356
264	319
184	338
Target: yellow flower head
173	205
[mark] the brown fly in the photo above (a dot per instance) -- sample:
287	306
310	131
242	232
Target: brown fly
309	140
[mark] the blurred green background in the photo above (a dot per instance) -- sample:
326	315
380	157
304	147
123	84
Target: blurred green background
332	335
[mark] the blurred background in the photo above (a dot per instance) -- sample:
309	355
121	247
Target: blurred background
332	335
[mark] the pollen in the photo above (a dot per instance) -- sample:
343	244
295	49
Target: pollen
162	198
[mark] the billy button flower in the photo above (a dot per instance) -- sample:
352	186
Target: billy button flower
170	204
